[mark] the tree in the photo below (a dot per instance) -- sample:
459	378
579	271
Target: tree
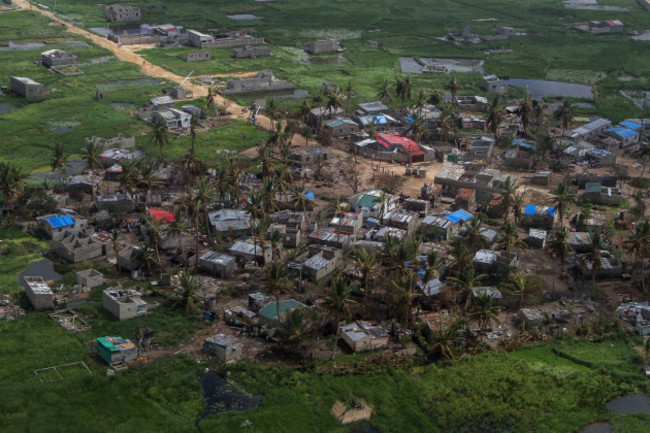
188	284
277	282
146	258
461	258
178	227
417	128
484	311
366	263
519	285
148	177
594	257
115	237
495	113
318	99
525	111
560	245
154	234
563	198
92	154
128	179
639	244
384	93
431	266
404	89
59	159
275	238
465	284
304	110
404	295
334	102
445	337
351	175
509	238
507	196
565	114
453	87
517	204
337	303
210	101
273	112
160	139
11	182
420	102
473	235
349	91
292	328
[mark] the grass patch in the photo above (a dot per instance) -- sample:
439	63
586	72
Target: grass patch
17	250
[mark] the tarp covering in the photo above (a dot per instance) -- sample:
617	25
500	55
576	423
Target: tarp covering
58	221
161	215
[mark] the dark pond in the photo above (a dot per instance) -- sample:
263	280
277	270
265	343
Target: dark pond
6	107
633	403
221	396
540	88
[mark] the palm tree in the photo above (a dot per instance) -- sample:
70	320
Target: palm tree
275	238
210	101
277	282
318	99
431	266
259	229
404	89
507	196
292	328
337	303
204	189
146	258
417	128
525	111
484	311
178	228
517	204
59	159
92	154
334	101
560	244
384	93
420	102
349	91
11	182
404	295
272	111
148	176
155	233
495	113
465	284
520	285
565	114
304	110
461	258
594	257
563	198
453	87
128	179
188	284
300	198
639	244
115	237
445	337
508	237
367	265
160	139
473	235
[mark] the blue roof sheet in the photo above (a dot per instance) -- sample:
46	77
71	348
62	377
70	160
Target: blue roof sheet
381	120
58	221
627	133
631	125
459	215
309	195
530	209
409	119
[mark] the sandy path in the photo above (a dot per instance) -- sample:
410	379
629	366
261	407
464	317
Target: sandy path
127	54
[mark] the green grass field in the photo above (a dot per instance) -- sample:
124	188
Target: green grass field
30	129
410	28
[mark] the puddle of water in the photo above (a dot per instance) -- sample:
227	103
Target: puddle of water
636	96
221	396
98	60
645	36
410	65
633	403
243	17
22	47
365	427
330	60
540	88
125	83
6	107
122	105
72	168
601	427
297	94
59	128
455	65
76	44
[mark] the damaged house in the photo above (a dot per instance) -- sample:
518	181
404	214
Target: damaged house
78	247
219	264
538	216
363	336
124	304
490	261
38	293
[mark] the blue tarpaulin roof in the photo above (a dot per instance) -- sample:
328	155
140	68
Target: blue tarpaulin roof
626	133
631	125
531	209
57	221
409	119
309	195
459	215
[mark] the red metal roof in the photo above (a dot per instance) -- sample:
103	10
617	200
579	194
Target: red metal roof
408	145
611	23
161	215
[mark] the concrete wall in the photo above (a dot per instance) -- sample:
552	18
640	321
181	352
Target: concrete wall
27	90
122	310
232	42
198	56
250	52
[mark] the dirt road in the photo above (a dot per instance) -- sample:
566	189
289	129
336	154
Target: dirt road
127	54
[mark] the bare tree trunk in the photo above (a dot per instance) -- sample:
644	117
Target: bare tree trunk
338	335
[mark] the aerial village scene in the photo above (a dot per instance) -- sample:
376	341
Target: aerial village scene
292	216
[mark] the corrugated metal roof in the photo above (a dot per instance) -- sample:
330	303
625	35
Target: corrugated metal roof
631	125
